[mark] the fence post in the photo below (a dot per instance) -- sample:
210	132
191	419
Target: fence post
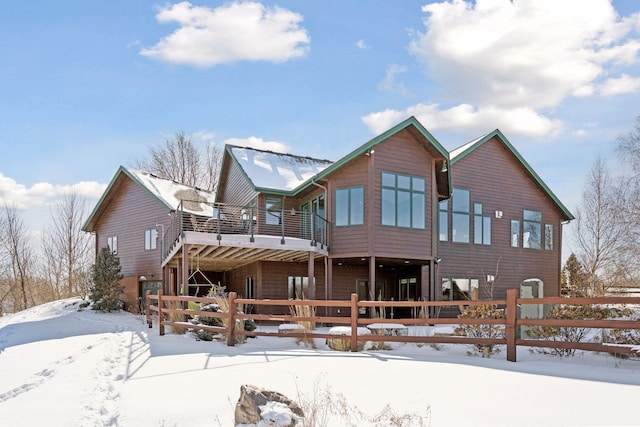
354	322
231	319
147	308
160	315
512	314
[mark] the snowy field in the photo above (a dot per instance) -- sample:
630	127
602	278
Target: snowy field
64	367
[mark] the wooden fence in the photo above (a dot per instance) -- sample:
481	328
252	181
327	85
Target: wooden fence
171	307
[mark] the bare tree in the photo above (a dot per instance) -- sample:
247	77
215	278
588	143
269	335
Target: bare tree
629	146
600	227
67	249
629	150
16	245
181	161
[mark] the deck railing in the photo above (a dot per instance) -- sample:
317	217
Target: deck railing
156	310
221	219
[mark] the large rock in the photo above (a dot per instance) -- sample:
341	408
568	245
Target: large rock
254	402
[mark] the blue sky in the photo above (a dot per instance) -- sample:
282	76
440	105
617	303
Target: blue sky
89	86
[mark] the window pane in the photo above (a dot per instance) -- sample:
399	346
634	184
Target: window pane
404	209
486	230
404	182
443	220
357	206
531	235
460	200
418	210
388	179
460	224
418	184
532	216
548	237
342	207
477	229
274	210
515	233
388	207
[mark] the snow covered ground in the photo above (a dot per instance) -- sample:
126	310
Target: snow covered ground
64	367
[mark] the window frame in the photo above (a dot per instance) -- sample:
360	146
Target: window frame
481	226
150	239
112	244
548	237
273	216
443	220
465	215
415	215
533	225
354	216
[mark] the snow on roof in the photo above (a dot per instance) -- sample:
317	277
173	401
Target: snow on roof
170	193
277	171
456	152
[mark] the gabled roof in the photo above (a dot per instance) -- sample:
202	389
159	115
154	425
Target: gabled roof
268	171
287	174
167	192
412	125
462	151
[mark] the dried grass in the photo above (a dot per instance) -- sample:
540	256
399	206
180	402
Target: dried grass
307	325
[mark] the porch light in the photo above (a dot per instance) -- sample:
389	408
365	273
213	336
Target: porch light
444	166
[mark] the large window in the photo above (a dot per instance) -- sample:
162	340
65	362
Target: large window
460	289
460	215
150	239
273	210
350	206
481	226
112	242
443	220
531	229
403	200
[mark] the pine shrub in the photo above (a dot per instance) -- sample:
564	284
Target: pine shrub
106	288
483	311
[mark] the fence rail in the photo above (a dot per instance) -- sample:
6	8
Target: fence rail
510	322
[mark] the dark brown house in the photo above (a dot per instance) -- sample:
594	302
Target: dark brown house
501	226
286	226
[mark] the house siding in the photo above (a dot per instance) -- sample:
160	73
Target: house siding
131	212
400	154
500	182
235	189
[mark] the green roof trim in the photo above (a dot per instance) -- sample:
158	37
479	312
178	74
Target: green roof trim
121	170
408	123
465	150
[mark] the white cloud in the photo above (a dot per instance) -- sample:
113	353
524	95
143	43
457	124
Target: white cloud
520	57
620	85
259	144
232	32
361	44
15	194
389	82
465	117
